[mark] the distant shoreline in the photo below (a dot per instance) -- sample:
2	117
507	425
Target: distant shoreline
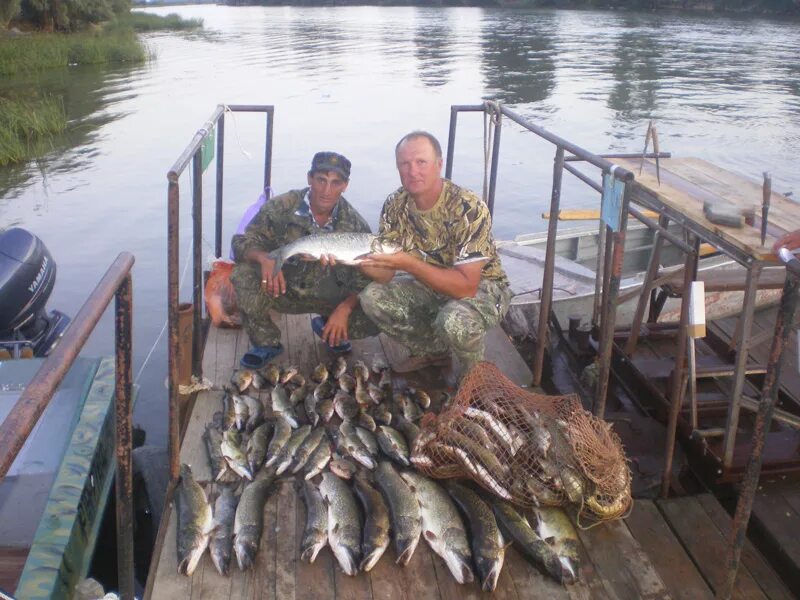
718	7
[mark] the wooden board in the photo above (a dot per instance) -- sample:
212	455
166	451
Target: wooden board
705	544
679	574
687	197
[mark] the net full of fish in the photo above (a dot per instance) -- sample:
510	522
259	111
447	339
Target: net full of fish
347	248
531	449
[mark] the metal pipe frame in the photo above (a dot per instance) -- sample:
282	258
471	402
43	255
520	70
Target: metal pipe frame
451	142
677	383
220	175
197	263
740	365
192	153
609	309
549	269
766	407
18	425
495	161
624	155
597	302
647	285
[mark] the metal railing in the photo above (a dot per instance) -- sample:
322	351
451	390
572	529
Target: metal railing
19	424
193	153
608	277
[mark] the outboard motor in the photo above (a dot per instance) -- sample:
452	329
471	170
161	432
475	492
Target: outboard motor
27	277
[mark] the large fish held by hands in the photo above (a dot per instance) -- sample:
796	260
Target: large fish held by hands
347	248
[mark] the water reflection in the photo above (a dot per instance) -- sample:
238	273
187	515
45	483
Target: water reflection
518	57
432	48
637	81
89	95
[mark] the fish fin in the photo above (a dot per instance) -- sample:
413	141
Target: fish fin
278	258
335	528
429	535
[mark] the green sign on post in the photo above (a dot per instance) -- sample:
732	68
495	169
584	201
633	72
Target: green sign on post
207	149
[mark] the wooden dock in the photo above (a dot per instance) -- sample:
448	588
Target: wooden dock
664	549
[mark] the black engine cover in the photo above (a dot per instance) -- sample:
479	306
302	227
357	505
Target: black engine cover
27	277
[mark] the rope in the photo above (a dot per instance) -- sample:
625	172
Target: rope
227	110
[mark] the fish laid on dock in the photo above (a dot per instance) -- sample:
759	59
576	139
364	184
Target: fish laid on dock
555	527
195	521
248	524
377	523
404	509
221	544
315	535
344	522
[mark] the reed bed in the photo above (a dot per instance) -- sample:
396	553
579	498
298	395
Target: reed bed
26	126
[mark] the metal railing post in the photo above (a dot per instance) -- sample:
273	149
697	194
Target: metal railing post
220	174
495	160
549	268
268	150
124	431
173	345
197	262
451	143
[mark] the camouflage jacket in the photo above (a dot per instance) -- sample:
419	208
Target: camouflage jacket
285	218
455	231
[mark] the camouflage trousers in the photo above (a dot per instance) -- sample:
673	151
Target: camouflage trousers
431	323
317	294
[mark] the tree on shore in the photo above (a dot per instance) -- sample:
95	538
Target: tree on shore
60	15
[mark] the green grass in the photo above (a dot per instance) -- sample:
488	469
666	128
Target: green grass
141	21
39	51
26	125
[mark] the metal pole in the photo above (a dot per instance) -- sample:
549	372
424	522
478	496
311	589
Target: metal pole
173	275
451	143
549	268
677	383
652	271
124	429
268	151
197	263
220	173
609	312
599	274
766	407
495	159
742	351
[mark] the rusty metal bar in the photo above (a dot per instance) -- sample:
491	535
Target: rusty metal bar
668	235
451	143
607	253
740	366
624	155
495	160
647	285
677	382
692	357
609	309
197	263
220	175
124	430
173	345
194	145
769	395
549	268
599	272
19	423
584	178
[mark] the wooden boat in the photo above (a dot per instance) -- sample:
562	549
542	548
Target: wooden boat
58	446
574	279
53	498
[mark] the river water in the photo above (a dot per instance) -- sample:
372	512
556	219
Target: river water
354	80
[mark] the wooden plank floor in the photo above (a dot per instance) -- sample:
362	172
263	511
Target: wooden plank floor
643	557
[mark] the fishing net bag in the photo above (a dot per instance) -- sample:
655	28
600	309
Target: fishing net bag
531	449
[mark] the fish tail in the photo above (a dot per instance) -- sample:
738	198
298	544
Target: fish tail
277	256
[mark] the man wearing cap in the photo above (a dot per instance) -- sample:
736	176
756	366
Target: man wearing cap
323	287
447	287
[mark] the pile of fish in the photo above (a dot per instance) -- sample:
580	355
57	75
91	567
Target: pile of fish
351	439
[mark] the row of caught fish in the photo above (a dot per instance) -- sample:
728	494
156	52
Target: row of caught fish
399	507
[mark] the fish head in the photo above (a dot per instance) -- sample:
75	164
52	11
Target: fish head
490	570
383	246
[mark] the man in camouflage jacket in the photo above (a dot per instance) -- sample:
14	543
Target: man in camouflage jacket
452	287
321	287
